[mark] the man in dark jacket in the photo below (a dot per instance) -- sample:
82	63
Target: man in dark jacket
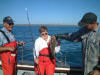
90	42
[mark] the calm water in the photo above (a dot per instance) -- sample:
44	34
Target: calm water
70	52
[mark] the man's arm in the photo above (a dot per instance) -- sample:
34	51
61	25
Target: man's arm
74	37
97	67
3	49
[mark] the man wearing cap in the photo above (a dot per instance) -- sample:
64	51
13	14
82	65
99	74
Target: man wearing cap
90	43
8	46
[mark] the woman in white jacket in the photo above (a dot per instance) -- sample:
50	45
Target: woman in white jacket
43	63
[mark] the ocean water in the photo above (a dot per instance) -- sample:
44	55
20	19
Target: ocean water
70	52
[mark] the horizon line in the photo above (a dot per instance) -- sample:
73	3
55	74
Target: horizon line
44	24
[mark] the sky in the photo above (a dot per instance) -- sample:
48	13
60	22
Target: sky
48	11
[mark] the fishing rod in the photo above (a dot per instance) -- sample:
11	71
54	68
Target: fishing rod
31	35
24	34
28	19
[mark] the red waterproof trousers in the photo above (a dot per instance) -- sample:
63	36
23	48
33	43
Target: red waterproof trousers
9	60
45	66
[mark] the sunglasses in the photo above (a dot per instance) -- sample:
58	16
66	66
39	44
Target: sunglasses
95	23
44	34
11	24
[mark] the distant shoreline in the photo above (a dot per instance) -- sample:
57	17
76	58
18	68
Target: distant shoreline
45	24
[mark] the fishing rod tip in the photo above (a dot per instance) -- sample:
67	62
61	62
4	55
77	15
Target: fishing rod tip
26	9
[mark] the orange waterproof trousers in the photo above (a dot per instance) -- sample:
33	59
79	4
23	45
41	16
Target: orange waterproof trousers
8	60
45	66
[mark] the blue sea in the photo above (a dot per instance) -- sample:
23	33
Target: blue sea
70	52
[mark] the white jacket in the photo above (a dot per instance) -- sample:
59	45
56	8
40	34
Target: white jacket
40	44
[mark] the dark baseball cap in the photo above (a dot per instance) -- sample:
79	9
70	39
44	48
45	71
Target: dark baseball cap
88	18
8	20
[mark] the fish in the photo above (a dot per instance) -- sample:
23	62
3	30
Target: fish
52	46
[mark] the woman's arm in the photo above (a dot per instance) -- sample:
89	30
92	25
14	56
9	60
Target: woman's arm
36	52
57	48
